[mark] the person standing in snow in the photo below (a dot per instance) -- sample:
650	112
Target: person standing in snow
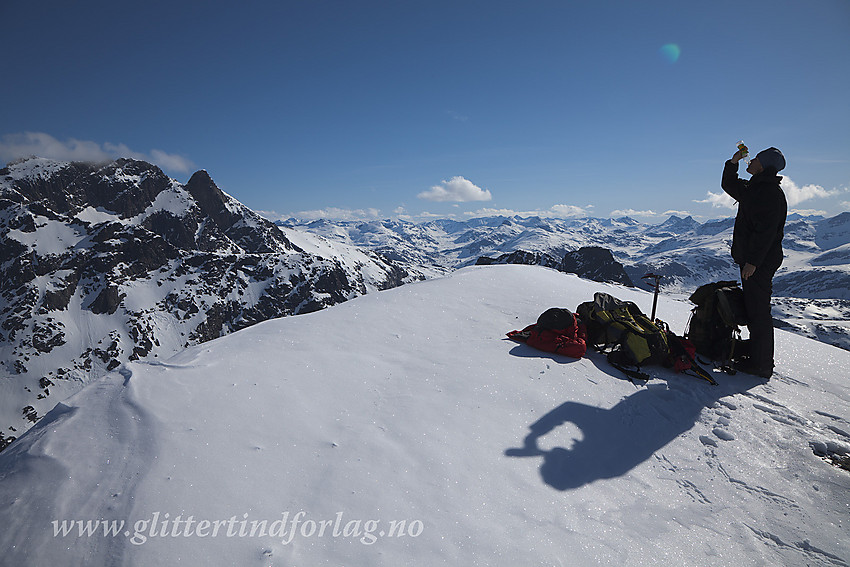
757	247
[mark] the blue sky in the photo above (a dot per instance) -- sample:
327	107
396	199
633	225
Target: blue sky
362	109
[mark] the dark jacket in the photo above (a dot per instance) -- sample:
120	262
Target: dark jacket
760	223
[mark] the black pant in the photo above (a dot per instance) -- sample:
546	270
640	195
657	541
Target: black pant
758	289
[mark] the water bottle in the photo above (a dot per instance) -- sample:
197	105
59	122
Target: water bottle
745	152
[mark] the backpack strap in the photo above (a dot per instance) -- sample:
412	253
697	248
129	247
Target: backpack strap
725	309
678	349
698	370
629	372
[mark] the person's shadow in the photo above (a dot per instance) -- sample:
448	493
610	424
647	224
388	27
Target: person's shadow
615	440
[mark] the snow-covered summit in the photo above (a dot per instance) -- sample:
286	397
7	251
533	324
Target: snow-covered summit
401	428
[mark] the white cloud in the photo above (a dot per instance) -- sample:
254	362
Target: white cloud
571	210
457	116
796	194
808	212
428	216
457	189
648	213
334	213
555	211
633	213
172	162
793	192
677	213
13	146
491	212
718	200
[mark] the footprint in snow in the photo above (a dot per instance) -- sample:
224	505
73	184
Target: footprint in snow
707	441
723	434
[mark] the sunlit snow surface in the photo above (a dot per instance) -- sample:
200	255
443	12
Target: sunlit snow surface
409	405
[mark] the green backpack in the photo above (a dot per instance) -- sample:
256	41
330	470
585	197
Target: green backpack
621	330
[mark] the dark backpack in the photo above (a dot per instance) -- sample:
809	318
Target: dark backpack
714	327
555	318
623	332
556	331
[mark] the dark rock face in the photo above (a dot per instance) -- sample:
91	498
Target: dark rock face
597	264
107	301
521	257
591	262
104	264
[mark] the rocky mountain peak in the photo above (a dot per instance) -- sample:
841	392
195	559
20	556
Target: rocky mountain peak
211	200
597	264
205	191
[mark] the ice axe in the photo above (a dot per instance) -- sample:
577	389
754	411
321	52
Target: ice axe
657	279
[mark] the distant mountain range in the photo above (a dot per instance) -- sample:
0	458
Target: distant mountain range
685	252
109	263
812	289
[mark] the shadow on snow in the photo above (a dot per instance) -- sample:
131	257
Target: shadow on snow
615	440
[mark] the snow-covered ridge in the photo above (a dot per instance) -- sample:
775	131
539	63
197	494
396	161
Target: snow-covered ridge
409	427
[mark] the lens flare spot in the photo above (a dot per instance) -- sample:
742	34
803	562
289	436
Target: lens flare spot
670	52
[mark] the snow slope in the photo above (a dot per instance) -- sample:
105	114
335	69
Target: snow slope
400	428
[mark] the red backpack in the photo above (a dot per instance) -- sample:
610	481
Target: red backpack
558	331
